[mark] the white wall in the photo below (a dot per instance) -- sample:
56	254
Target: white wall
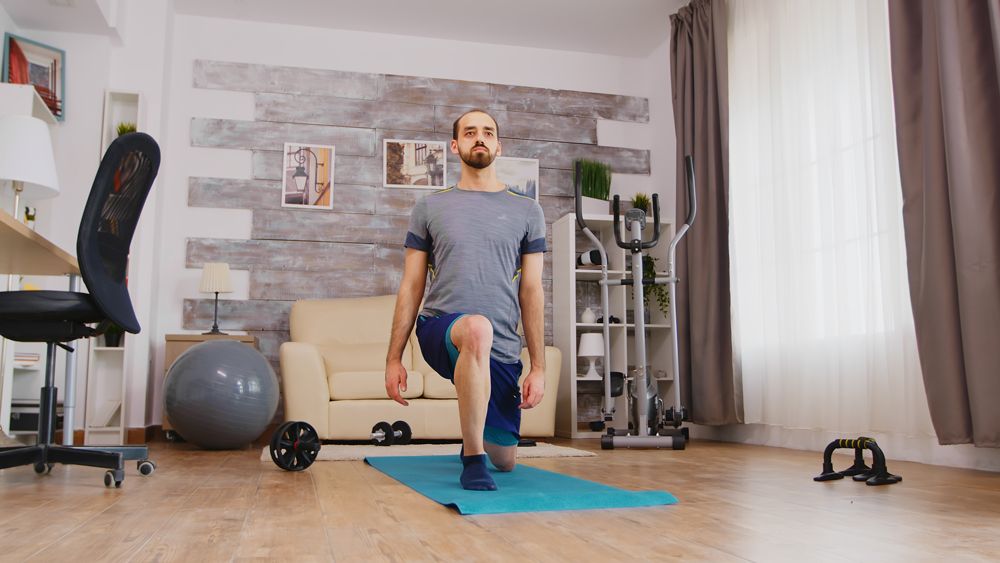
239	41
6	24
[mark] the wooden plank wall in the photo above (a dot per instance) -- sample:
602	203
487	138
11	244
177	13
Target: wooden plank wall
356	249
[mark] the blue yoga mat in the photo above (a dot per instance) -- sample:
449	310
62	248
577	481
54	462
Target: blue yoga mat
526	489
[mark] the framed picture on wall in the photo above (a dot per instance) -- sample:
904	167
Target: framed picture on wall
307	178
44	67
519	174
414	164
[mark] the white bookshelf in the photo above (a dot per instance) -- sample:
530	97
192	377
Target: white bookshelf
23	99
104	421
569	286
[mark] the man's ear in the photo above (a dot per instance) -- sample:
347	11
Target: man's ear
499	148
454	146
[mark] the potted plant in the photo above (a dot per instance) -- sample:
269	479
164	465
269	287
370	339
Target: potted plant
641	201
594	179
126	127
113	336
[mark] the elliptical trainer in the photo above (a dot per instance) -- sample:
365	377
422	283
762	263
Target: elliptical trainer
650	426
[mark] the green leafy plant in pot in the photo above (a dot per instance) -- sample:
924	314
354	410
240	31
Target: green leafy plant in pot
641	201
113	336
594	179
659	292
126	127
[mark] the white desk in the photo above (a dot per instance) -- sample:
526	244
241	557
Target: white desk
27	253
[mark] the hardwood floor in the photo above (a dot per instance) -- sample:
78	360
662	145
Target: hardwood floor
737	503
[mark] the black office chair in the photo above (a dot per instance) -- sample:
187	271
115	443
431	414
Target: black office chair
123	181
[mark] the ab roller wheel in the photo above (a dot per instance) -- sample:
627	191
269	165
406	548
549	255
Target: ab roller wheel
294	446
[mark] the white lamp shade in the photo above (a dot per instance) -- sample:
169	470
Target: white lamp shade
26	156
215	278
591	345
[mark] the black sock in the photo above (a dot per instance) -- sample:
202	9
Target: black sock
475	476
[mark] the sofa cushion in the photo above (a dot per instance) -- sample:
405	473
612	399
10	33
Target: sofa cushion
348	320
437	387
367	356
370	385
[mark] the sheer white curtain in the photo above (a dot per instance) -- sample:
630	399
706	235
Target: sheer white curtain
824	330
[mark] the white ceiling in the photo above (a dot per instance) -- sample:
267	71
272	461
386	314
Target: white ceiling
631	28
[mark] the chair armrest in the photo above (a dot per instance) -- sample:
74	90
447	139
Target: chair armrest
304	387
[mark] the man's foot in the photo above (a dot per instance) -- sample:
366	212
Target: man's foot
475	476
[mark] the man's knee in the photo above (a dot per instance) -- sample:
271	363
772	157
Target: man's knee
505	465
504	458
475	333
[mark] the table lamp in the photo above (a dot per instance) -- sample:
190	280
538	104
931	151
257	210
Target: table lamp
215	279
591	347
26	158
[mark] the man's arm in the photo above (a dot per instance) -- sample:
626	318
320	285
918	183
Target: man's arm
411	292
532	298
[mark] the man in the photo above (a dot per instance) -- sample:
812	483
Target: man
482	245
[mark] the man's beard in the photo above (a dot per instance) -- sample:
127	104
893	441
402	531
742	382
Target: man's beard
476	159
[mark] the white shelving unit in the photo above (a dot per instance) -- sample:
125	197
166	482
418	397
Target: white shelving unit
104	418
573	289
118	107
23	99
27	379
104	421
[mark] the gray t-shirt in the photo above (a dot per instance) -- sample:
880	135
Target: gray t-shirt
475	241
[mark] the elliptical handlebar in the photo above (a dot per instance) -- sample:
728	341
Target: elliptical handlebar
578	188
656	225
692	201
618	229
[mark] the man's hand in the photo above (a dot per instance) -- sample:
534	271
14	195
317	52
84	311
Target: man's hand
532	389
395	381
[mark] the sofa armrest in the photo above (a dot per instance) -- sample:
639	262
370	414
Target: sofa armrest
541	420
304	387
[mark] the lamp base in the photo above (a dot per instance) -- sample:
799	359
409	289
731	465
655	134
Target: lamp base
215	321
591	374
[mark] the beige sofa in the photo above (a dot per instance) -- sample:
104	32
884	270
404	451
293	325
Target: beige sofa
333	375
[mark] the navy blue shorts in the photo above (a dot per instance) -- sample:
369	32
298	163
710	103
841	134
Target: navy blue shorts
503	417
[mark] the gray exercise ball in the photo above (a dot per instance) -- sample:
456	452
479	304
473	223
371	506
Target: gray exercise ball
220	394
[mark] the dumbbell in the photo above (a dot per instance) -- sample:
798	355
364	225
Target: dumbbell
385	434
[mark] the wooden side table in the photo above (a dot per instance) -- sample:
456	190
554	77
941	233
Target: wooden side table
177	344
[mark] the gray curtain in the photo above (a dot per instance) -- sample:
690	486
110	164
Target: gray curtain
947	98
701	116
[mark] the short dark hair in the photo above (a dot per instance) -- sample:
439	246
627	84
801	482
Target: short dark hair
454	126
